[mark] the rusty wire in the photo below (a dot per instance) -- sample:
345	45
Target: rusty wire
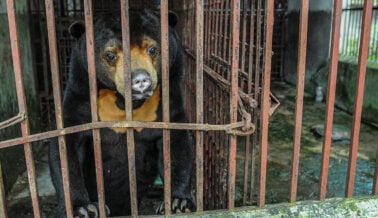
12	121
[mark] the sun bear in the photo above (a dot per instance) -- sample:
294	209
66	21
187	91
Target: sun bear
147	106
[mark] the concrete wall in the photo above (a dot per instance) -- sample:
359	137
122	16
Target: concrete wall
12	159
346	87
318	41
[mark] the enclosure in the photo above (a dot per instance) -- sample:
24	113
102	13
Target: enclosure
237	55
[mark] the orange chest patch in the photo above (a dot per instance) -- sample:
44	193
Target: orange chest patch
108	110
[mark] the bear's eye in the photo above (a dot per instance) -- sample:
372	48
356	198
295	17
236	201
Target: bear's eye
152	51
110	56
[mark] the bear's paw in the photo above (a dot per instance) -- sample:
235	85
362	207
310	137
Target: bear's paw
89	211
179	205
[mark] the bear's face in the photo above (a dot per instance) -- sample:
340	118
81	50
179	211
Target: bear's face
145	58
145	64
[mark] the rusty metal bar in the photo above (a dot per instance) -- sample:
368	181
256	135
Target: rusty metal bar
249	91
301	72
375	181
22	105
235	21
243	43
359	96
89	33
331	90
210	22
199	101
265	99
3	200
225	32
165	98
228	128
259	49
128	106
50	19
216	33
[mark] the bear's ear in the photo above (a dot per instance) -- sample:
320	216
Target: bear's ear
76	29
172	17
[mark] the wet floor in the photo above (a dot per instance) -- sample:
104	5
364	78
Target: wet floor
281	130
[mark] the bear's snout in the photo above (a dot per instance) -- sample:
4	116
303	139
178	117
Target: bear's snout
141	84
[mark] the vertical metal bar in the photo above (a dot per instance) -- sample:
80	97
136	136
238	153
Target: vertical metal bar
252	47
3	200
50	15
235	19
165	92
359	96
216	34
211	27
208	25
375	181
301	72
349	29
331	90
265	99
89	33
243	38
16	56
199	101
249	83
226	30
128	106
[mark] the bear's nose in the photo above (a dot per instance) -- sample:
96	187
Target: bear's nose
141	81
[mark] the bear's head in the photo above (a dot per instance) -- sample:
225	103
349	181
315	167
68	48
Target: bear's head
144	51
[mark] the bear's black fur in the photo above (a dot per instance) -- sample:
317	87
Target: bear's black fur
148	142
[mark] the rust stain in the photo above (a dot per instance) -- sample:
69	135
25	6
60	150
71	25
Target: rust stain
108	110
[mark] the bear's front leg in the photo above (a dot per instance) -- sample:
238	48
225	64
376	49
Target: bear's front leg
182	156
76	154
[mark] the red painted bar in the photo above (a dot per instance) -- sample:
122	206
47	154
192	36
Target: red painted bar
22	105
128	106
217	28
225	31
89	33
250	79
165	93
301	72
235	21
331	90
50	19
249	89
199	101
265	98
359	96
3	200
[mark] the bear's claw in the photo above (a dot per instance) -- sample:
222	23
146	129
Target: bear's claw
90	211
178	206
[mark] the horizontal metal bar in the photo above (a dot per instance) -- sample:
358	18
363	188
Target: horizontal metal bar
229	128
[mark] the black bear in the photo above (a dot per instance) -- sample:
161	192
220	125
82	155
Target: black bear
146	88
